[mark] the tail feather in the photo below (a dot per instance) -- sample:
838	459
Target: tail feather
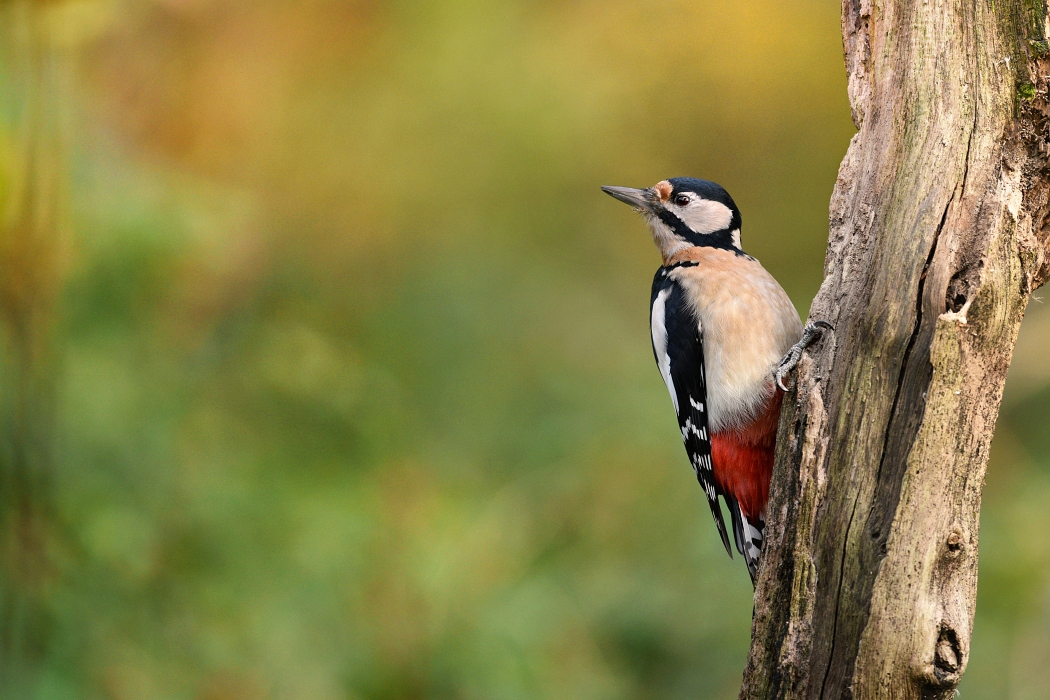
716	511
738	523
749	537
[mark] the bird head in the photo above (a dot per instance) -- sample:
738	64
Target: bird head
683	212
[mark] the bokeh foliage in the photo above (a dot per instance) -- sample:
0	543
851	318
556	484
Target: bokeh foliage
355	397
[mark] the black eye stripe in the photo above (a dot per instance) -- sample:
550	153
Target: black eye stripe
716	239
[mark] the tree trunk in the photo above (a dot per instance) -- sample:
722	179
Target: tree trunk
939	234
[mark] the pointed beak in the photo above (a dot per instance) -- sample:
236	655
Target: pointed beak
641	200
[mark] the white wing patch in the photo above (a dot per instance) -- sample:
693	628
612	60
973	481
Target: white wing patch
659	330
668	313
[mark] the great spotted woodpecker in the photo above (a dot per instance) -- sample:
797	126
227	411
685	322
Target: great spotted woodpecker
724	336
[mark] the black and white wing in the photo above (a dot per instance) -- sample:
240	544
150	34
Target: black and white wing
679	351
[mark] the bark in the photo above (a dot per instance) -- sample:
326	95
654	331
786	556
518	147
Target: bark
939	234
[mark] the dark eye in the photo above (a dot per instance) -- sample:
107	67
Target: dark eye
681	200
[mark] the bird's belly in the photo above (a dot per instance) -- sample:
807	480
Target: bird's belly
747	324
739	375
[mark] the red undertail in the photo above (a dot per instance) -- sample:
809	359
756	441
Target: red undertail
743	458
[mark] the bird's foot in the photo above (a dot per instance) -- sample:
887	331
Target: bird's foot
790	360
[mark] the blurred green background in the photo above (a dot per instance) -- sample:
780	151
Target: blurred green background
327	367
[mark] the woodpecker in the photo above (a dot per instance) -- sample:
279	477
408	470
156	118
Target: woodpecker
724	335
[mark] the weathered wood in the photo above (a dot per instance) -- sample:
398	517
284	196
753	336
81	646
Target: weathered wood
939	233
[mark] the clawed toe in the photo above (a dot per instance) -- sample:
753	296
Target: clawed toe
788	363
791	359
812	328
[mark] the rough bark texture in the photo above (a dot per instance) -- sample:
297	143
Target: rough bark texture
939	234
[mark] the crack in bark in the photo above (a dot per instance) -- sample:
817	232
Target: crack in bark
838	596
916	329
886	496
969	146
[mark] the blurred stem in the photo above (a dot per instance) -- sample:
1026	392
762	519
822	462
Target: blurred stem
30	237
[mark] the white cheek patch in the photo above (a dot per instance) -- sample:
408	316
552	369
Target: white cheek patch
735	234
659	330
705	216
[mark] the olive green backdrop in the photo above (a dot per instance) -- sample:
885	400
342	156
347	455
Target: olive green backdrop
355	394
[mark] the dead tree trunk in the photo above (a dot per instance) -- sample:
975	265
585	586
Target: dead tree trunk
939	233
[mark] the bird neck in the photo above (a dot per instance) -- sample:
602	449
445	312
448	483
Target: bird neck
695	254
